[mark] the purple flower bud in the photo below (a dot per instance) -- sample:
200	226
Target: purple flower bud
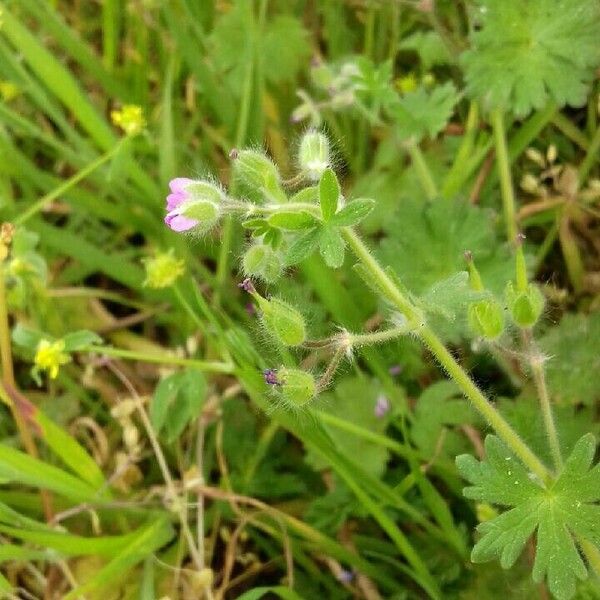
250	309
382	406
395	370
270	376
247	286
175	200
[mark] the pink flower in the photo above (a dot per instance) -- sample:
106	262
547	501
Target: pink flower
175	201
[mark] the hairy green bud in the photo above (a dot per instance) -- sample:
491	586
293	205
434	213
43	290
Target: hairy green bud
297	387
258	173
486	318
263	262
525	305
314	155
283	321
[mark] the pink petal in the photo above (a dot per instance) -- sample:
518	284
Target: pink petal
178	184
178	222
175	199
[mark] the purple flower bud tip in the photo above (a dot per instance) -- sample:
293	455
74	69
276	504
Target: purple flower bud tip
250	309
178	196
395	370
270	376
234	153
345	576
247	285
382	406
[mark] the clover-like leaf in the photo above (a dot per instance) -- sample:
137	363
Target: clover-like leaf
292	221
331	246
302	247
524	54
353	213
329	194
562	512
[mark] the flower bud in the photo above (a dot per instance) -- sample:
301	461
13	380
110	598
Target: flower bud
283	321
314	156
257	172
297	387
263	262
486	318
525	305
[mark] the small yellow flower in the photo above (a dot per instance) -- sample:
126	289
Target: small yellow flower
163	270
49	357
407	84
129	118
9	90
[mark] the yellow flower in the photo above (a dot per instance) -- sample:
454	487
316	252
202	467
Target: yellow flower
9	90
129	118
162	270
407	84
49	357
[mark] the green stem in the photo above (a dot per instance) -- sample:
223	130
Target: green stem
447	361
590	158
537	369
565	126
67	185
202	365
458	173
423	172
506	185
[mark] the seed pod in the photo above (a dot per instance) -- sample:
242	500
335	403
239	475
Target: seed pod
263	262
297	387
283	321
259	175
486	318
314	156
526	305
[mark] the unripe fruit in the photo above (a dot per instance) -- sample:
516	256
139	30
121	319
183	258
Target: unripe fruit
283	321
486	318
314	156
526	305
297	387
263	262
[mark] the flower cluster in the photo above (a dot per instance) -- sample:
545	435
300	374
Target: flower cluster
129	118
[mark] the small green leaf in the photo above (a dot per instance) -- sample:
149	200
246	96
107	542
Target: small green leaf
292	221
302	247
353	213
80	339
176	401
329	194
331	246
26	337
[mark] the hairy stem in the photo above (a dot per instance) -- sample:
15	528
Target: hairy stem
537	369
447	361
423	172
506	184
